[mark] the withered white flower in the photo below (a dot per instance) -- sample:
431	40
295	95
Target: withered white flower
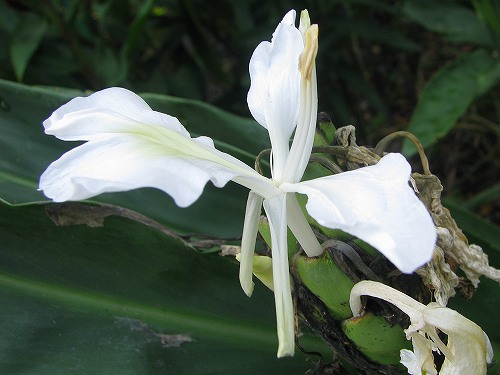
131	146
467	350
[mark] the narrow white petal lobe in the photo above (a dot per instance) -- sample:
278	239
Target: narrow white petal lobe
248	240
276	213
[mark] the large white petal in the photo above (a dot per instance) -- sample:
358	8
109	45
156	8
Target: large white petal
131	146
275	208
122	162
109	111
376	204
273	98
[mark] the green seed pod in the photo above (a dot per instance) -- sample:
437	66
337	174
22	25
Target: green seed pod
368	342
376	338
327	281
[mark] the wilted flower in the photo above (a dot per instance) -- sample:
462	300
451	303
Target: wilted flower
467	350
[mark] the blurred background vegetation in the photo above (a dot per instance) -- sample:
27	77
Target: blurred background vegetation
431	67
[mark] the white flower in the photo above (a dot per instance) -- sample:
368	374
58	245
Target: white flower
467	351
130	146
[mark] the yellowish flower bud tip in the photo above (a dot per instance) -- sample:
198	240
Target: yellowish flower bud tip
308	55
305	22
262	269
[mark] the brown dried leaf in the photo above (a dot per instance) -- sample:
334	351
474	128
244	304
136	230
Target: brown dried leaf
457	252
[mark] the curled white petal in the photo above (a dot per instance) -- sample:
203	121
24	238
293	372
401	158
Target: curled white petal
377	205
110	111
405	303
470	346
421	359
410	361
273	98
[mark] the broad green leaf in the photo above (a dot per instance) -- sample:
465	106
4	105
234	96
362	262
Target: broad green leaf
143	11
489	195
457	23
25	152
25	40
8	18
372	31
98	300
108	67
449	93
489	12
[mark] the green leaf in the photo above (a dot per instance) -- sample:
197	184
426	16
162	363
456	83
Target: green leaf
478	230
372	31
455	22
489	12
8	18
25	41
110	69
489	195
449	93
25	152
101	300
143	11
